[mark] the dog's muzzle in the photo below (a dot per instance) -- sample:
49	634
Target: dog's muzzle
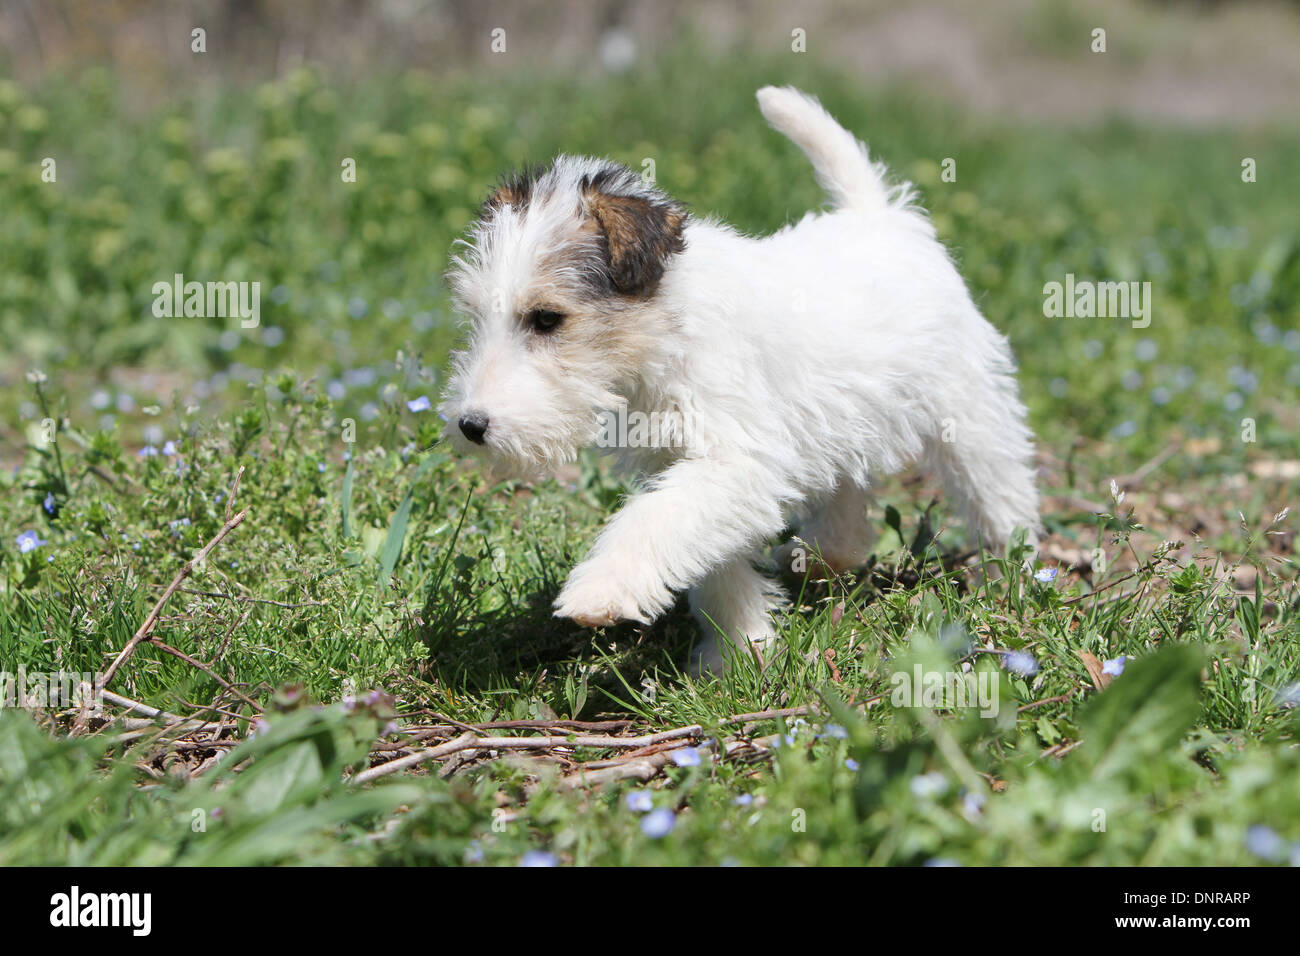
474	426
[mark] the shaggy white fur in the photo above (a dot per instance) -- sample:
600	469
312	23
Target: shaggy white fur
796	368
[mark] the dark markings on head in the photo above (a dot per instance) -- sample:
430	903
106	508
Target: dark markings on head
514	190
640	232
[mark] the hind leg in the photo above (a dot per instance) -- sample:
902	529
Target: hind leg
836	528
733	606
991	480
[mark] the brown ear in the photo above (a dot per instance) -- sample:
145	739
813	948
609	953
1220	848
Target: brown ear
640	235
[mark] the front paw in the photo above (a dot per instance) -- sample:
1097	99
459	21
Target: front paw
593	597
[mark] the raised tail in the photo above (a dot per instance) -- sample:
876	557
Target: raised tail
840	161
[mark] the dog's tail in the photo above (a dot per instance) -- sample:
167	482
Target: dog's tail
841	162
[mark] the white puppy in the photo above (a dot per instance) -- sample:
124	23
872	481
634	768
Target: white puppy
756	382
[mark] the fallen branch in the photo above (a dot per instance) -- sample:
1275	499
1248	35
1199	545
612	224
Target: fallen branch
186	570
472	741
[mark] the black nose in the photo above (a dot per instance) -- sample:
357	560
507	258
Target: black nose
474	426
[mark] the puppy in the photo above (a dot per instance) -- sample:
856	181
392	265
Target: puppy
756	382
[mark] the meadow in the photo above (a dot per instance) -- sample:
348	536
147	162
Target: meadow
380	595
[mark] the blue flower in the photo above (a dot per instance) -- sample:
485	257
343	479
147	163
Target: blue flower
538	858
1020	663
421	404
169	449
473	852
852	764
744	800
931	784
1264	842
1045	575
639	801
657	824
836	732
686	757
29	541
48	503
148	451
1114	667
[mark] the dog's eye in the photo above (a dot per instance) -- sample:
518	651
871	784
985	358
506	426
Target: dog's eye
544	320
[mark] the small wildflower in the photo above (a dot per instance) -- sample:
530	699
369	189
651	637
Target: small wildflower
474	852
639	801
1020	663
48	503
1045	575
169	449
852	764
972	805
1114	667
657	824
29	541
931	784
1290	695
1264	842
686	757
538	858
836	732
421	404
744	800
148	451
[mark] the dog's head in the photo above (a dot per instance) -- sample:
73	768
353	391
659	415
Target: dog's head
560	278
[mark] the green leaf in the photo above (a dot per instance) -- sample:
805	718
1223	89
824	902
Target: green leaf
401	517
1144	713
347	500
895	521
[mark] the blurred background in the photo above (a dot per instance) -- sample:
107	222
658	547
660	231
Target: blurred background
217	155
1176	60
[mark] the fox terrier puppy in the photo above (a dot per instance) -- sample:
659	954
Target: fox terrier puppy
779	375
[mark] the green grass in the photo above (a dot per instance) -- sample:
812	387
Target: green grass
383	563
